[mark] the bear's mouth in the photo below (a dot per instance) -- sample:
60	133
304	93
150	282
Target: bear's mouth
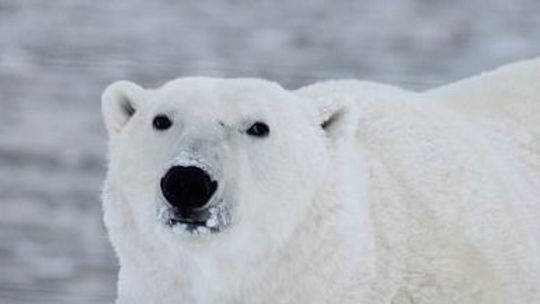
211	219
191	197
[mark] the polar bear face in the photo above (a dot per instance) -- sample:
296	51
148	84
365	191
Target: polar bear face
213	162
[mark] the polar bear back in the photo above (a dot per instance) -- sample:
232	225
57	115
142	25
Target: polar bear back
506	104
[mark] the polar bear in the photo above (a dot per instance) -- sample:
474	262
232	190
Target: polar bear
240	191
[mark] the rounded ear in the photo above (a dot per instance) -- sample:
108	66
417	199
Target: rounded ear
119	102
338	118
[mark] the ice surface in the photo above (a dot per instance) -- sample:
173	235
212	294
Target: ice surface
57	56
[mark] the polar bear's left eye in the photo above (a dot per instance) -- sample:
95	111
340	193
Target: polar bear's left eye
258	129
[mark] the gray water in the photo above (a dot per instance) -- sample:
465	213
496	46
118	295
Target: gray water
57	56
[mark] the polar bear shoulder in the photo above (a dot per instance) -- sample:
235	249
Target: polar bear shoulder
454	184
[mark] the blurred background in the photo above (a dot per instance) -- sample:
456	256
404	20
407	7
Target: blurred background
57	56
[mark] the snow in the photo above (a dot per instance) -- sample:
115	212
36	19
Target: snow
56	57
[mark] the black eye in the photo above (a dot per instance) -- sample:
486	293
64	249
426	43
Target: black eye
258	129
161	122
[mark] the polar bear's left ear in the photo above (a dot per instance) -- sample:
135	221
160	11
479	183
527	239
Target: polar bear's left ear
119	102
339	119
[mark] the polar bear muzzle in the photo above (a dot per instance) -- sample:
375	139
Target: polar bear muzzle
190	197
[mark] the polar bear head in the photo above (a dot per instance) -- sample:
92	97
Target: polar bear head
228	167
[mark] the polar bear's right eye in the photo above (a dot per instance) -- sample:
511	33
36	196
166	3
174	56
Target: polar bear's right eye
161	122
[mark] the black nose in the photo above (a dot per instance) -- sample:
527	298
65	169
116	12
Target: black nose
187	188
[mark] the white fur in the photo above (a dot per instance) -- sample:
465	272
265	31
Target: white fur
404	198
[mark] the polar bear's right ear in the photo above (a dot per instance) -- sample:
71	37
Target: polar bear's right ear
119	102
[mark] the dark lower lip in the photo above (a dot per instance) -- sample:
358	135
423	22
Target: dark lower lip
192	226
175	221
199	215
213	218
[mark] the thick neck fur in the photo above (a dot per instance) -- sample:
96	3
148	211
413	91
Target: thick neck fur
332	230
